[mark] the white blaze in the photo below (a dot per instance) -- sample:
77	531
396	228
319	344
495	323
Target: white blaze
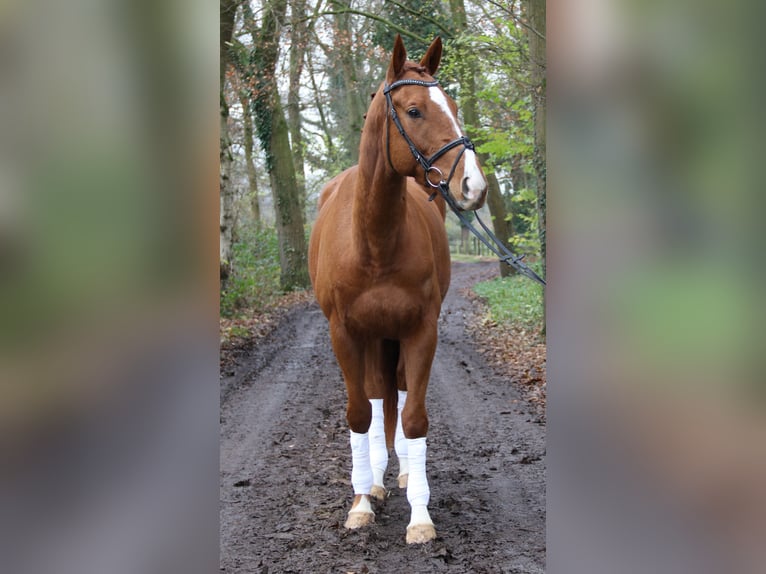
471	165
438	97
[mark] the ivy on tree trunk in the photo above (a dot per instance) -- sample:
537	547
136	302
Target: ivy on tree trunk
273	134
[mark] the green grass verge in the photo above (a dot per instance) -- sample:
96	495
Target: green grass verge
513	300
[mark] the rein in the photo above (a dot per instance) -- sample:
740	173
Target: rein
496	247
502	252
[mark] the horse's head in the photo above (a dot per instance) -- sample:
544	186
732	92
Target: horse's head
423	135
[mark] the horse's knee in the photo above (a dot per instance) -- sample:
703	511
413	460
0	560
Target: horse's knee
359	417
415	425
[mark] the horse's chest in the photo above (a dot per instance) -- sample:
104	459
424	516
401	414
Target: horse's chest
387	310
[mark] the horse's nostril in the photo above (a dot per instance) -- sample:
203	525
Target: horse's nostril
469	191
465	190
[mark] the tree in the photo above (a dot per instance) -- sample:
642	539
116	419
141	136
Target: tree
273	133
466	76
424	19
228	10
535	12
351	105
252	175
298	40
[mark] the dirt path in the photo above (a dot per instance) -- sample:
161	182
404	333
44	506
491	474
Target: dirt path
285	461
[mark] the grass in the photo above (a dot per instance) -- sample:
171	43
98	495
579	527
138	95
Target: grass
468	258
513	300
511	327
254	280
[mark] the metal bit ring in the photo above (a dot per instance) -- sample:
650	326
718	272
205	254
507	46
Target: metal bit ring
439	172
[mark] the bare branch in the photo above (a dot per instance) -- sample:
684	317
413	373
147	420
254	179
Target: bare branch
402	31
516	18
446	31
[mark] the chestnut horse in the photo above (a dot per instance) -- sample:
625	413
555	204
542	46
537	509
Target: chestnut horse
380	266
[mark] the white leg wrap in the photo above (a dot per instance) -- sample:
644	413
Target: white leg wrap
418	492
400	442
378	450
361	471
419	516
364	506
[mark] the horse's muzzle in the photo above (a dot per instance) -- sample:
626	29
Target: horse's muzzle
474	192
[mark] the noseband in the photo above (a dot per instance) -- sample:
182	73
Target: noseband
427	163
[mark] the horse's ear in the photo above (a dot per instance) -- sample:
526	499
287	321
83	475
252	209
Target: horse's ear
433	56
397	60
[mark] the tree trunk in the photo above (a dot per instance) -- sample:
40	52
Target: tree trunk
252	175
355	107
535	12
501	224
290	224
228	9
465	239
331	151
226	214
297	51
274	136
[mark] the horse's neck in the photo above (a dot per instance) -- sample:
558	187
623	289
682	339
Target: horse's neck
379	209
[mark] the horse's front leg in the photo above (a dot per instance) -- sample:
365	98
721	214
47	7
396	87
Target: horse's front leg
418	353
400	441
350	354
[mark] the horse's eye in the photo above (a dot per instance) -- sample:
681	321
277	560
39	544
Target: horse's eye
414	113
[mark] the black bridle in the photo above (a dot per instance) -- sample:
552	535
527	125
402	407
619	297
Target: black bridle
427	163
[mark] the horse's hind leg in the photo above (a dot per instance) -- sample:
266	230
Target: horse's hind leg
350	355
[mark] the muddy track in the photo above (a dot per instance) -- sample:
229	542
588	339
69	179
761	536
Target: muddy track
285	461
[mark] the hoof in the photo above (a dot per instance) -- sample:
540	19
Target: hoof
403	480
420	533
361	513
378	492
359	519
